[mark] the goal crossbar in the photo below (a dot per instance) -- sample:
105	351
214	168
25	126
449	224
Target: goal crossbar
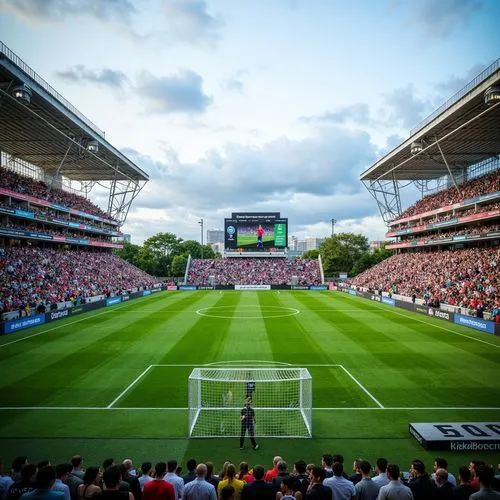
281	399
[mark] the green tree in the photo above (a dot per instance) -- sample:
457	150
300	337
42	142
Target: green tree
129	252
381	254
341	251
311	255
191	247
160	249
179	265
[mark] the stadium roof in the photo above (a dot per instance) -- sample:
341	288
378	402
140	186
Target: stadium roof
51	133
462	132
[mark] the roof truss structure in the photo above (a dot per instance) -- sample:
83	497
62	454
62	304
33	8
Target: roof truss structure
465	131
53	135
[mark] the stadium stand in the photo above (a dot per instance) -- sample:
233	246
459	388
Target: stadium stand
467	278
12	181
34	276
423	485
254	271
489	183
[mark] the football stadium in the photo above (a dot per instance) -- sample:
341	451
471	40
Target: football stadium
100	359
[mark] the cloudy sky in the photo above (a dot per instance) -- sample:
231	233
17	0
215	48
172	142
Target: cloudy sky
253	105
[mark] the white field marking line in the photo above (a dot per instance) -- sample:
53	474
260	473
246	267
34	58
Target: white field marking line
222	363
342	408
129	386
70	323
260	307
362	387
432	324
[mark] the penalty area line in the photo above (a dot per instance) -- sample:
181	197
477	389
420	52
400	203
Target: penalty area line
380	405
129	387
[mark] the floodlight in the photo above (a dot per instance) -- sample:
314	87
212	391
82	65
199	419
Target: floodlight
492	96
93	146
22	93
416	147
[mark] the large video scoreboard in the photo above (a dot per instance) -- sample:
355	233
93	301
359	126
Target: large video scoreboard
255	231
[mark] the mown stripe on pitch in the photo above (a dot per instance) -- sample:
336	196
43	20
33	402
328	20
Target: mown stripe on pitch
293	341
103	357
423	373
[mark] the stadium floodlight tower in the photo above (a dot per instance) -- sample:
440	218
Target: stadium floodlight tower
281	398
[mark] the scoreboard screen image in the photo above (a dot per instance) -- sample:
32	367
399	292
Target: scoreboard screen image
256	233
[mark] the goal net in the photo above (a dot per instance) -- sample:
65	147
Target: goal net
281	398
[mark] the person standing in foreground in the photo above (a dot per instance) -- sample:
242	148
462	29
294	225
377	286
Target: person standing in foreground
395	490
248	424
200	489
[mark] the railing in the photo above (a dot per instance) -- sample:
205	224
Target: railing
40	81
452	100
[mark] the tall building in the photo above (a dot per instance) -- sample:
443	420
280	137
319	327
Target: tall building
215	236
292	243
313	243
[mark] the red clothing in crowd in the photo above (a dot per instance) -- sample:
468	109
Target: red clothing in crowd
158	489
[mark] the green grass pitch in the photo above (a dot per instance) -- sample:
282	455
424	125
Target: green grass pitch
251	240
66	387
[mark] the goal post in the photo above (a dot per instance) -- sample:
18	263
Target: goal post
281	398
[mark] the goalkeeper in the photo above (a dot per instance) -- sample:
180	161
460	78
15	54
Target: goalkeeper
247	424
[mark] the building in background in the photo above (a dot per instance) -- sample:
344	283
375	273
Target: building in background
313	243
215	236
376	244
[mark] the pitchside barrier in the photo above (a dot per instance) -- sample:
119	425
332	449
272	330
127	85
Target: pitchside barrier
480	324
40	319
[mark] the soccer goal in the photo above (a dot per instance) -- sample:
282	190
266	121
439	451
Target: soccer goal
281	398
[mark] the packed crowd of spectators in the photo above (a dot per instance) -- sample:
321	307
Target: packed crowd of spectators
469	230
30	276
53	230
56	214
467	278
478	186
447	216
328	481
254	271
38	189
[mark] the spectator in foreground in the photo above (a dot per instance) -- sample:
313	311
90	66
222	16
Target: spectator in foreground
286	490
258	489
230	480
486	476
464	490
5	482
272	473
366	489
25	484
381	472
77	462
191	467
174	479
45	479
342	488
91	484
158	489
442	463
199	488
145	476
395	490
444	489
62	473
112	480
211	477
317	490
